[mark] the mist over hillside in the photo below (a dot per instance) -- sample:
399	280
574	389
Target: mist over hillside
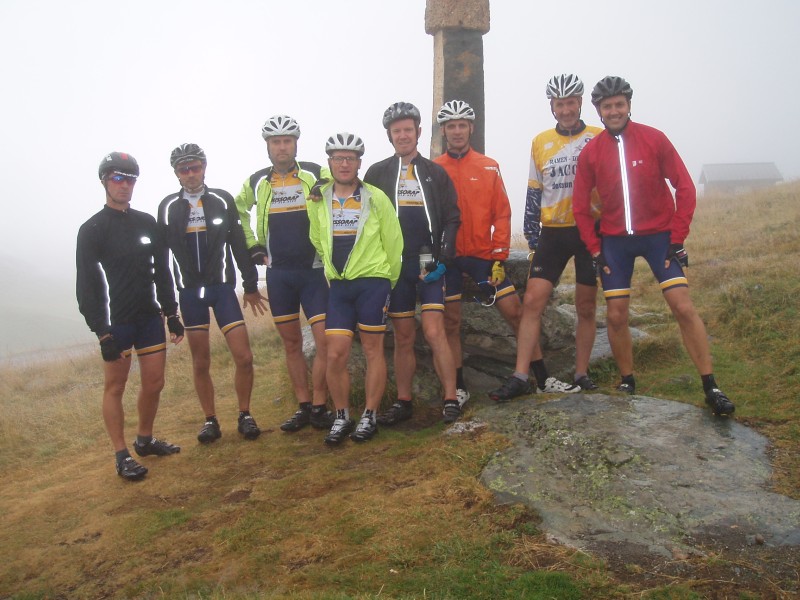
38	309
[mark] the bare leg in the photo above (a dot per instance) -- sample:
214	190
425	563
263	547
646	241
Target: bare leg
619	334
586	307
239	345
292	338
692	328
336	373
375	379
151	369
201	364
405	361
116	376
434	330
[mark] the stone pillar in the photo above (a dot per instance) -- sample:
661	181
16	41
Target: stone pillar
457	27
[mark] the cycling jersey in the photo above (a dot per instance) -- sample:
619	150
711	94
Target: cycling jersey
205	240
485	230
439	203
122	269
554	159
281	218
629	171
378	241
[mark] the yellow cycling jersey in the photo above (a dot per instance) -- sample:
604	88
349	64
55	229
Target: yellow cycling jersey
554	159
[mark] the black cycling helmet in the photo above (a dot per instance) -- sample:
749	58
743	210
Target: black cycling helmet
401	110
186	152
118	162
344	141
564	86
609	86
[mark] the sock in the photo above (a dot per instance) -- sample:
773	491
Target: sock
578	376
243	414
212	418
343	413
521	376
460	379
143	440
708	382
405	403
305	406
316	408
539	372
370	414
122	455
629	380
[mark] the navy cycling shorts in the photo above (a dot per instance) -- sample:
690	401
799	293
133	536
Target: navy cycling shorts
480	270
289	289
358	304
145	335
620	253
221	298
409	287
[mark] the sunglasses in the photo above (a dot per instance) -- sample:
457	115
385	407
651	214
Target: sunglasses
121	178
488	294
187	170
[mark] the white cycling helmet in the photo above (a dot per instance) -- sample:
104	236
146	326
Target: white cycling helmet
280	125
564	86
344	141
453	110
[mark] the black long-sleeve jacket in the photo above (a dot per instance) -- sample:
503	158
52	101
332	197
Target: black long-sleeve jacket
225	242
122	269
439	195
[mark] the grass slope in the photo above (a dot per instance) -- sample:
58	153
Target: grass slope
403	516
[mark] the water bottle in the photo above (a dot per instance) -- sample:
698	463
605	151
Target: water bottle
425	260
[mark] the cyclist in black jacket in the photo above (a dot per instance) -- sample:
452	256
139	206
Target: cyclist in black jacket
124	290
202	229
425	201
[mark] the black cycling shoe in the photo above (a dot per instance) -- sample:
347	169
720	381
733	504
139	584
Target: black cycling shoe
513	387
248	428
365	430
399	411
451	411
131	470
156	447
586	384
719	402
209	432
341	429
297	421
627	388
322	419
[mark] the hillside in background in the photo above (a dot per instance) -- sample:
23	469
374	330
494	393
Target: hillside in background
38	310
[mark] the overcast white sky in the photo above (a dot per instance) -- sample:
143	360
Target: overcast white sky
82	78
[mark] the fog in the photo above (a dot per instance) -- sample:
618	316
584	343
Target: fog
84	78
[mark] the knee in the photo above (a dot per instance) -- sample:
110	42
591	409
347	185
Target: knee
616	317
586	310
243	360
153	384
201	364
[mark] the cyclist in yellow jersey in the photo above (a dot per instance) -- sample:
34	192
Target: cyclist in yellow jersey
553	239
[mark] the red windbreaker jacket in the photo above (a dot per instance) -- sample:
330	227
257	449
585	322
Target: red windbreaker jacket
629	171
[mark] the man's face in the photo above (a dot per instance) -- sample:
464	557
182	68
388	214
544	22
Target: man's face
119	190
457	134
614	112
282	150
191	174
344	165
567	111
404	135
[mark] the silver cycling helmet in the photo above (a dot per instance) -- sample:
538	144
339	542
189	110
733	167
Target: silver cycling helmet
118	162
453	110
344	141
564	86
401	110
186	152
609	86
280	125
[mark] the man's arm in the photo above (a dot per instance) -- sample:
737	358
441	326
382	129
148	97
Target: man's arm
238	245
90	285
501	211
582	203
244	204
674	170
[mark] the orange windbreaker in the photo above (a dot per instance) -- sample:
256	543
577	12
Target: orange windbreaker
485	230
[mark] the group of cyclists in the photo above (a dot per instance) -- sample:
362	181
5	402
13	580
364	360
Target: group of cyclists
352	252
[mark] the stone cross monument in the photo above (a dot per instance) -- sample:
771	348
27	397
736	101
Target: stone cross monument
457	27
